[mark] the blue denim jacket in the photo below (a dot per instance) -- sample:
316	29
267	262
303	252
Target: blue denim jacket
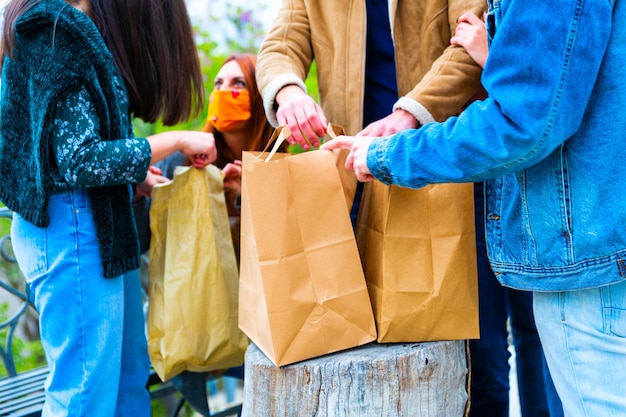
547	140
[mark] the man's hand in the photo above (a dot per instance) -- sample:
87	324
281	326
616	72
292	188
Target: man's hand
302	114
397	121
357	159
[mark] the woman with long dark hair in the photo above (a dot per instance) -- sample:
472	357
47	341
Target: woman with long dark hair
74	73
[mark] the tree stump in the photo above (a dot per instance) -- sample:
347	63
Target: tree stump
375	380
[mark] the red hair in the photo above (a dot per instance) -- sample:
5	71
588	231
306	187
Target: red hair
258	128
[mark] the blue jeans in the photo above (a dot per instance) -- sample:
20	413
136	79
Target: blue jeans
92	328
489	390
584	337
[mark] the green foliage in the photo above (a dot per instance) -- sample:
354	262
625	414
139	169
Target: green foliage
27	354
311	82
8	270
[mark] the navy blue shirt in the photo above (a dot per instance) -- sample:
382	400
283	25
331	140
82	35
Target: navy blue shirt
381	87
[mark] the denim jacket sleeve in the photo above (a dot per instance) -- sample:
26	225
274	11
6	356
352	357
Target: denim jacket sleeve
544	59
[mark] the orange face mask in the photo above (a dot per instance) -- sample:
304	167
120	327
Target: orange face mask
227	108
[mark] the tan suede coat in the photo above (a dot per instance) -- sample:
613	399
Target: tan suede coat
434	78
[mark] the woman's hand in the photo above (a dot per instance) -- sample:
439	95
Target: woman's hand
198	147
154	177
232	177
471	34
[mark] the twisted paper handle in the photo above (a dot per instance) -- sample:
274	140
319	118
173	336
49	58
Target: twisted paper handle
284	131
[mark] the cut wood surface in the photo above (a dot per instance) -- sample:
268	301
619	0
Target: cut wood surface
375	380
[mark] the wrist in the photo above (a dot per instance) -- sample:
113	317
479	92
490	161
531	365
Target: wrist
415	109
286	92
176	141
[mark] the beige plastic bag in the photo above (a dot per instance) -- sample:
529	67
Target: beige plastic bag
302	290
193	287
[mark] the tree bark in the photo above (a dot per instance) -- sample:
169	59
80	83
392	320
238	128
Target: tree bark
403	380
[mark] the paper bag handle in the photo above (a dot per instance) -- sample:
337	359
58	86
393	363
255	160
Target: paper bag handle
334	130
279	135
284	131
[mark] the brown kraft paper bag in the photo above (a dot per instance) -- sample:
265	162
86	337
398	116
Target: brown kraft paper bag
302	291
418	249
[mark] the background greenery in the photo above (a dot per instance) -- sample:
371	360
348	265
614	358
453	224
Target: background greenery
28	351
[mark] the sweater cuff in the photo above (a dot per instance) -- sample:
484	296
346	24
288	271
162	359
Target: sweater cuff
269	94
421	114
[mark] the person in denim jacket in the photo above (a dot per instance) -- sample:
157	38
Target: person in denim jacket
547	141
504	312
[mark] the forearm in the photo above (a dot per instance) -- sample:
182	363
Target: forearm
83	158
451	79
539	92
164	144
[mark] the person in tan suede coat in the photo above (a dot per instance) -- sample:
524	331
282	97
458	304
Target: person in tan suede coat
434	78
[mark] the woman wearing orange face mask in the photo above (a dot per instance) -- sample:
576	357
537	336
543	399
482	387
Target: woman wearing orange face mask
237	120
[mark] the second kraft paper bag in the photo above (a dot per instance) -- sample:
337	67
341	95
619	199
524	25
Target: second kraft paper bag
418	249
302	291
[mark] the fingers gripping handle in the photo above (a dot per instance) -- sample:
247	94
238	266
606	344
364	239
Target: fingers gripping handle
283	132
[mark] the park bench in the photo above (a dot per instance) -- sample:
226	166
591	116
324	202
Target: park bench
22	394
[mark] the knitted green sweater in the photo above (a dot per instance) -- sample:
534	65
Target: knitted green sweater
58	49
